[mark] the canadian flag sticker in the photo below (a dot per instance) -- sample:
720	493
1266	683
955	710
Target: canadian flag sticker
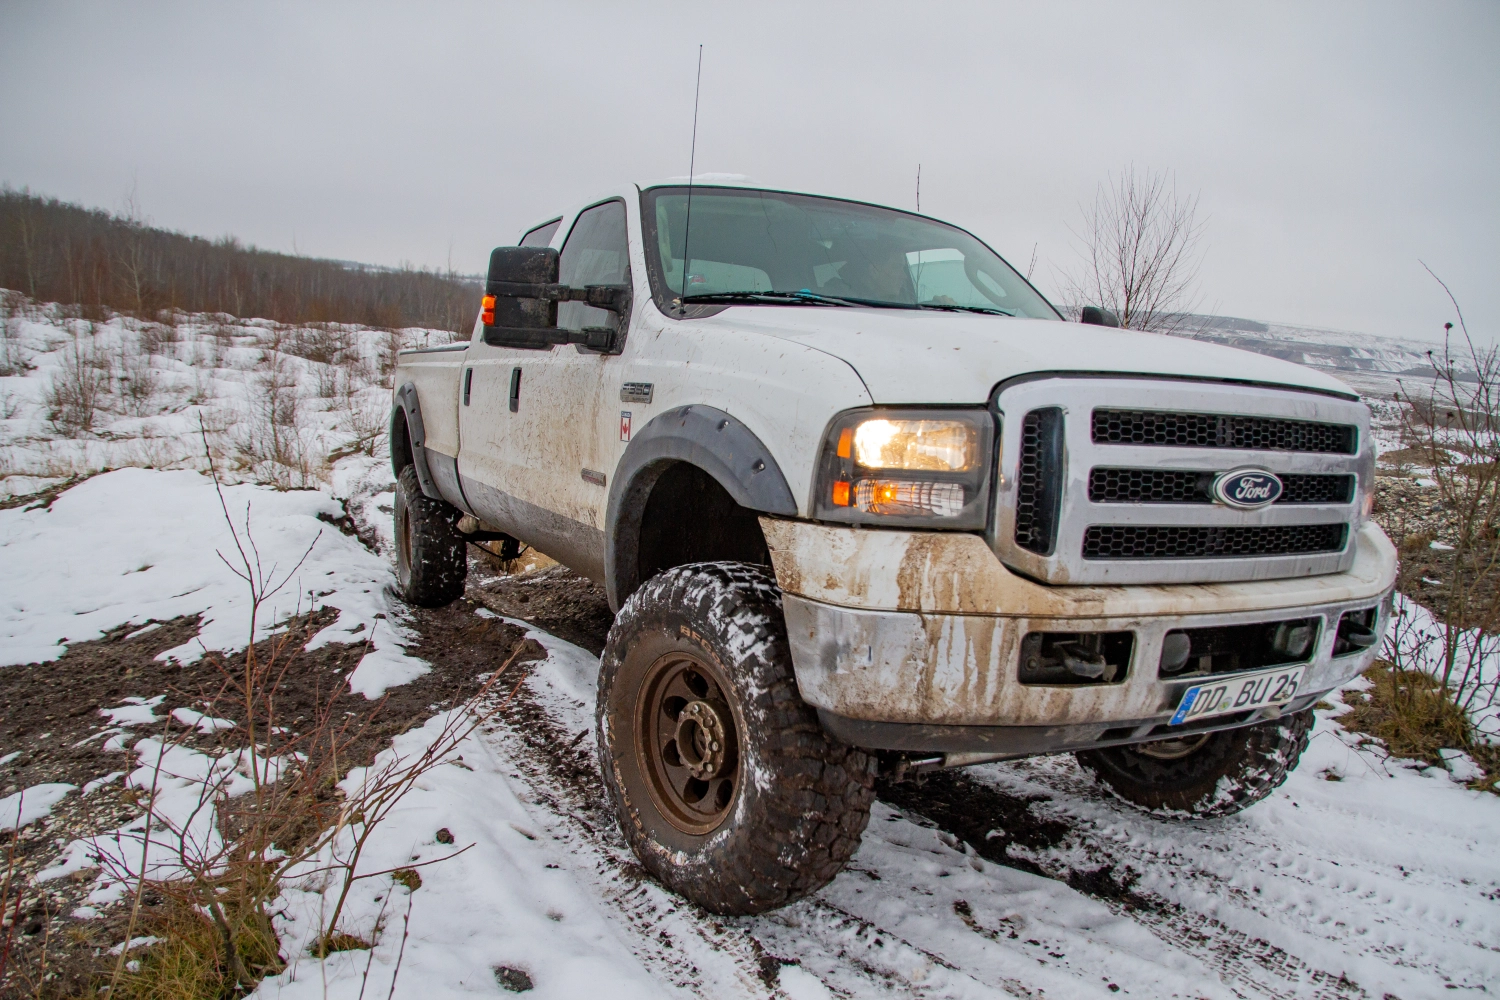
624	425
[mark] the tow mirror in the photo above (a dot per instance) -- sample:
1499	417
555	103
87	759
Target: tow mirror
521	293
1095	316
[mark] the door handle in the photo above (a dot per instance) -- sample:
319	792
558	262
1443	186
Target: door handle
468	383
515	390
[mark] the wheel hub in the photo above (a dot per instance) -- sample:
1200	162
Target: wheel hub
687	741
700	740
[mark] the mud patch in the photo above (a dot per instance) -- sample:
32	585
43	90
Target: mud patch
987	818
554	599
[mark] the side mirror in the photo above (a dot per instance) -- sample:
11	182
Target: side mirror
1095	316
521	293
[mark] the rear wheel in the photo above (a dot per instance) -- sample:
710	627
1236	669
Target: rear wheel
1205	774
725	784
431	557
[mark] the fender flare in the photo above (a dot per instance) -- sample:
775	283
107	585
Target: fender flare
407	408
702	436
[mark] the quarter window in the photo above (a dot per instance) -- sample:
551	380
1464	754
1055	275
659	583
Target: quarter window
542	235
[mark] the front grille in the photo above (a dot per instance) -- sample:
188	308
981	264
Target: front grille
1132	541
1177	486
1317	489
1039	480
1216	430
1149	486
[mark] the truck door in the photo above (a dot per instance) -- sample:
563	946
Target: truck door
541	426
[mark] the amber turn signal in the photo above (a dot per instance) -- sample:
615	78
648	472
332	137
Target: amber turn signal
841	494
487	310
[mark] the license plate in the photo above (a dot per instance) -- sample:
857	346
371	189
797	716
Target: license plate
1239	693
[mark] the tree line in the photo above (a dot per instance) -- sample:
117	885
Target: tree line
54	251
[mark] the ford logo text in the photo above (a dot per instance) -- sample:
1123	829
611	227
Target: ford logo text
1247	489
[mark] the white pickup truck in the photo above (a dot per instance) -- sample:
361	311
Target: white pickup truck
863	501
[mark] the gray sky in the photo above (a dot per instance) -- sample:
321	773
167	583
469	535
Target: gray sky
1332	145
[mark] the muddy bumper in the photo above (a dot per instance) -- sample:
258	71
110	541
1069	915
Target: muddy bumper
947	675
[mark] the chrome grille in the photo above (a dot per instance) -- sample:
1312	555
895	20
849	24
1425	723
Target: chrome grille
1219	430
1133	461
1145	541
1177	486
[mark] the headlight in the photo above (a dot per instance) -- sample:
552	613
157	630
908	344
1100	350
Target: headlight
901	467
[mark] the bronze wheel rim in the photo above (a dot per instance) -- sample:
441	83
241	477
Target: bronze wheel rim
687	742
1173	749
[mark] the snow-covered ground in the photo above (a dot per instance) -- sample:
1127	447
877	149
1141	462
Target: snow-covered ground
1363	876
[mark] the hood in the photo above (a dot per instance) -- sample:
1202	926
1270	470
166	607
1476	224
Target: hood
908	356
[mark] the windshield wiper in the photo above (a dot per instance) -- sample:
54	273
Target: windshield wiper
987	310
803	297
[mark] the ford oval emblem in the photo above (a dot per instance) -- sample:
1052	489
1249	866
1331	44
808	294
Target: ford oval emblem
1247	489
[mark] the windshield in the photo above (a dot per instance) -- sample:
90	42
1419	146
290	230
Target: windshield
774	248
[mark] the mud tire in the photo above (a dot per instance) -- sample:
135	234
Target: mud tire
1232	770
432	558
800	801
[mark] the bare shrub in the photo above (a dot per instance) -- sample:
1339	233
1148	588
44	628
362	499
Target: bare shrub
1450	426
79	386
215	934
12	357
366	425
391	344
328	381
1140	252
139	380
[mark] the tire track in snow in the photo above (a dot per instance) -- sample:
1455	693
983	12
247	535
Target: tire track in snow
686	948
1038	836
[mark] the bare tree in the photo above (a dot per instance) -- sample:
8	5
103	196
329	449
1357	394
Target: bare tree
1140	251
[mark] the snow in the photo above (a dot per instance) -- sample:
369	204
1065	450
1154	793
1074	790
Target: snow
135	711
496	904
199	721
31	804
182	831
136	545
1362	865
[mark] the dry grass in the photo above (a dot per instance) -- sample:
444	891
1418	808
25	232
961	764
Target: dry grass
1416	717
1410	710
188	961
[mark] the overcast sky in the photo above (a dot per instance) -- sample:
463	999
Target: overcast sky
1332	145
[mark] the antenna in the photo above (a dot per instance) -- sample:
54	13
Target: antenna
919	187
687	226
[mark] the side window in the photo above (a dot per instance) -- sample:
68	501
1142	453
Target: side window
541	236
596	253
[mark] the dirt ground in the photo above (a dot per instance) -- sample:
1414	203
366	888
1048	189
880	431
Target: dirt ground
51	719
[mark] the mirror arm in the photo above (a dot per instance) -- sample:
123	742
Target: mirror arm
613	298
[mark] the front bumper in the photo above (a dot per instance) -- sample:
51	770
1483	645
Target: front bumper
943	676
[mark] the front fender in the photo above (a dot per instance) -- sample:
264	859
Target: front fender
703	436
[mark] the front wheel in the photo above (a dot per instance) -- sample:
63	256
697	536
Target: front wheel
432	559
725	785
1206	774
